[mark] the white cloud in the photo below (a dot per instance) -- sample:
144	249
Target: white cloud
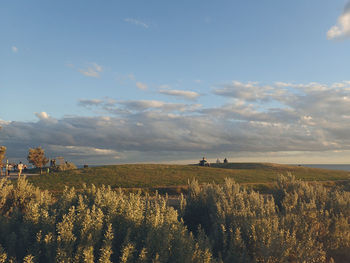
342	28
42	115
2	122
141	86
92	71
136	22
145	105
83	150
250	91
14	49
115	107
45	118
186	94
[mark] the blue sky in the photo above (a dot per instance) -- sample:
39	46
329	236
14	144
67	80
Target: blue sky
154	81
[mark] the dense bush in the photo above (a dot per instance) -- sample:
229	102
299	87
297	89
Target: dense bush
96	225
299	222
66	166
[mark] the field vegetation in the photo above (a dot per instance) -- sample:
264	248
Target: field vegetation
297	222
174	178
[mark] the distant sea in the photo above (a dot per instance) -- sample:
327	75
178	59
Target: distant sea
345	167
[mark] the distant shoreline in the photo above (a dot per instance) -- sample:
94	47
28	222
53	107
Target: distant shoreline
344	167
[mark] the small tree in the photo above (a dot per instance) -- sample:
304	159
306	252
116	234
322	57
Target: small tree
2	157
36	156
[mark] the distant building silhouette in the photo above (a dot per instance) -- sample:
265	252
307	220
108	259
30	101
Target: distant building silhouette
204	162
225	161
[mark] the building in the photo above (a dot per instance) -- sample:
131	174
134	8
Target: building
204	162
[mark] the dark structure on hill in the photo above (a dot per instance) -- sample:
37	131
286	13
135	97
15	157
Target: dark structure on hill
204	162
225	161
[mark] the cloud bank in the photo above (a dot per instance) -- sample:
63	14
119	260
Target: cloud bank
277	118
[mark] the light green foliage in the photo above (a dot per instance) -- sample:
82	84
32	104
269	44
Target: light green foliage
3	255
298	222
2	153
106	250
95	225
66	166
2	157
28	259
301	222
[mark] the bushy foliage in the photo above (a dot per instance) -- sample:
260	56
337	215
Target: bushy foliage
2	157
66	166
95	225
36	156
301	222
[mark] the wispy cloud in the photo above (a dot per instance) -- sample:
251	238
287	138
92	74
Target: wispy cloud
250	91
342	28
141	86
136	22
14	49
92	71
89	103
185	94
155	105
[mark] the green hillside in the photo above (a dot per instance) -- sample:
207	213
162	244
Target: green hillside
168	176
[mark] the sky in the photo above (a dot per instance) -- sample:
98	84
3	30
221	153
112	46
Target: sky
108	82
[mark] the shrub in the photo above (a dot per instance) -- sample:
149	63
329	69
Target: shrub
301	222
96	225
298	222
66	166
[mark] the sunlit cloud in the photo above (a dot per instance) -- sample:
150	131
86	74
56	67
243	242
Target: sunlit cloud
342	28
185	94
250	91
42	115
14	49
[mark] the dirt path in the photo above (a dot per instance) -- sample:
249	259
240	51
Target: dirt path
14	175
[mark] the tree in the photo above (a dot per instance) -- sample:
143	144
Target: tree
36	156
2	157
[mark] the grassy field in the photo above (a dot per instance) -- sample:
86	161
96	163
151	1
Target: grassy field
162	176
